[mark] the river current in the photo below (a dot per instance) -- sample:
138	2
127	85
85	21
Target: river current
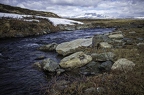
17	56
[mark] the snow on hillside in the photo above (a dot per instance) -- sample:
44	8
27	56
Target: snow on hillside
55	21
139	17
90	16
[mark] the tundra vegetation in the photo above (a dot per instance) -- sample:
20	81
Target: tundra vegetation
114	82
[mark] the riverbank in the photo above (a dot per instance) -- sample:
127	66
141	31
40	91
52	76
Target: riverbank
115	82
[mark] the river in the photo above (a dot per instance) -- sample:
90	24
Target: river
17	74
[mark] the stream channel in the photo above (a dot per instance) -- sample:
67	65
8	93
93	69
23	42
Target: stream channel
17	56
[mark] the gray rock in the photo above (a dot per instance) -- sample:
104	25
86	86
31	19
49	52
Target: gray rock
106	66
90	69
140	44
117	41
140	39
100	89
123	65
127	41
133	32
37	65
75	60
105	45
49	47
103	56
116	36
49	65
73	46
1	55
96	40
90	91
59	71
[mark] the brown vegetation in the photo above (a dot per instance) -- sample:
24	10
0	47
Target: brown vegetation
114	82
19	28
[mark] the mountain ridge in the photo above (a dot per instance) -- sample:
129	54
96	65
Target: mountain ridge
90	16
17	10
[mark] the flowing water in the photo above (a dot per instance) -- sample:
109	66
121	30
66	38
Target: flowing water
17	55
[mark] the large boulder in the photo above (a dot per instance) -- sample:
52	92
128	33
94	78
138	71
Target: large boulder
49	47
49	65
73	46
123	65
75	60
103	56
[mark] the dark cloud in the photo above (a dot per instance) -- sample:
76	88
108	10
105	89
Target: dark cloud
74	7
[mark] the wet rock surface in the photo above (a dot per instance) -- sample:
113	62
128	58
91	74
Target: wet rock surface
49	65
49	47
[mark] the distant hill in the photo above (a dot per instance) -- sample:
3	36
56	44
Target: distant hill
18	10
90	16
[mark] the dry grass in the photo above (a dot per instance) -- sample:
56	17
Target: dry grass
19	28
115	82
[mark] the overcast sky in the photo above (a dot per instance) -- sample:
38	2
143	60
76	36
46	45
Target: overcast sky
114	8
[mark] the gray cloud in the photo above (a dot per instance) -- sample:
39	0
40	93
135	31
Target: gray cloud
74	7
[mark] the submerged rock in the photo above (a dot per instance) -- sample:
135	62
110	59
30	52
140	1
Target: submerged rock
49	65
123	65
75	60
49	47
40	57
73	46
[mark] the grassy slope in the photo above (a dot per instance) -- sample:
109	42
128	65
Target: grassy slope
18	10
19	28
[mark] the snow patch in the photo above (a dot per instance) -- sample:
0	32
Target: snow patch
31	20
55	21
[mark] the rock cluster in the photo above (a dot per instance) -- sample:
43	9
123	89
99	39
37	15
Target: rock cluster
87	63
